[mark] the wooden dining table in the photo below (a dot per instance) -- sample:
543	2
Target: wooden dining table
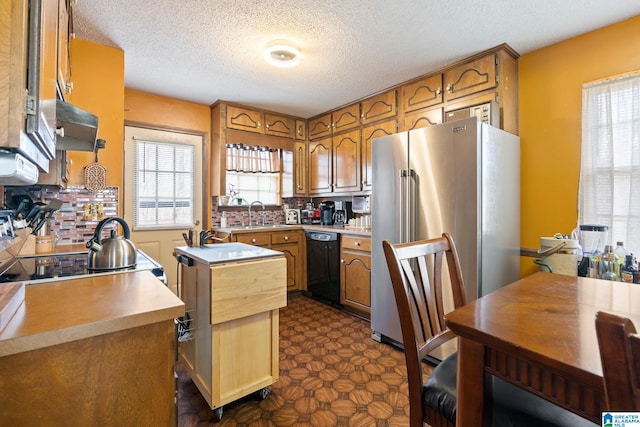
539	334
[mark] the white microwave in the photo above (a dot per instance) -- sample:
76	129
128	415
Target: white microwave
361	204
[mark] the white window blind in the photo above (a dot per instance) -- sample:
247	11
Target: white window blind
253	173
164	184
609	191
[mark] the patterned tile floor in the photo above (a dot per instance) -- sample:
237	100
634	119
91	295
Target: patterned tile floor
331	374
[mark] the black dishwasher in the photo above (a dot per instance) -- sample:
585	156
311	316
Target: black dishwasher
323	266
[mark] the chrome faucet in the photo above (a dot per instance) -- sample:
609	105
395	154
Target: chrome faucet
256	202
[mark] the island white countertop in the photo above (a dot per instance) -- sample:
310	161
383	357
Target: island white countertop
219	253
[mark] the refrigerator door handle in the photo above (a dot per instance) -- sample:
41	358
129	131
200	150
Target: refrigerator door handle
404	213
412	206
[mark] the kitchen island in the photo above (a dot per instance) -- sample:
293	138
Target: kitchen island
229	334
97	350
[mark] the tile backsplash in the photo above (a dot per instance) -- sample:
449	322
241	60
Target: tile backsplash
80	213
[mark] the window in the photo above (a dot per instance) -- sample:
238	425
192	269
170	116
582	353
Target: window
609	191
253	173
164	184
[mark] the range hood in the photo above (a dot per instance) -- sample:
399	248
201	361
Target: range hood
76	129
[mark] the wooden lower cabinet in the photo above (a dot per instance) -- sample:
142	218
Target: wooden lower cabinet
288	242
120	378
355	274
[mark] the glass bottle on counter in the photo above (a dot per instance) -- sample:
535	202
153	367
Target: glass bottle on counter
620	252
629	272
609	262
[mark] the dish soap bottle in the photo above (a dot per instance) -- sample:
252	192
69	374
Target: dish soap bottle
223	220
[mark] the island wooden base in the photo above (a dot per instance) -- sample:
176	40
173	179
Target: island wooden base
121	378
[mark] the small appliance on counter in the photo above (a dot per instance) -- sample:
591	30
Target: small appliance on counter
292	216
340	216
361	204
327	209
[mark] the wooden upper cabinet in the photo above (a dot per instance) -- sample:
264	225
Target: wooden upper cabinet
424	93
300	168
301	130
320	174
64	66
346	162
244	119
379	107
320	127
422	119
471	77
279	125
369	133
346	118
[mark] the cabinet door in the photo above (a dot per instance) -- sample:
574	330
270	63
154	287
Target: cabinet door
471	77
320	127
64	73
422	119
379	107
368	134
346	162
188	294
346	118
291	252
301	130
422	94
287	174
58	171
355	281
279	125
300	168
320	176
244	119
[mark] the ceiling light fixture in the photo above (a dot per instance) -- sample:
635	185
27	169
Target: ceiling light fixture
282	54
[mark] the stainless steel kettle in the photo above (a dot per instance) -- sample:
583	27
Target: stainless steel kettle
113	253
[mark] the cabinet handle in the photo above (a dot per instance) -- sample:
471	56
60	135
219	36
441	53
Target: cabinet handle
253	240
286	238
300	130
342	260
357	243
449	88
438	91
258	124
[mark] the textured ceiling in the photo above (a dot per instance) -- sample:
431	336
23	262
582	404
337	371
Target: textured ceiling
205	50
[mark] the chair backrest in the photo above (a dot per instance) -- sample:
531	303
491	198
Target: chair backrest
419	298
620	356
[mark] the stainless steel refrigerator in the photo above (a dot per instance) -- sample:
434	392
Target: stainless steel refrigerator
460	177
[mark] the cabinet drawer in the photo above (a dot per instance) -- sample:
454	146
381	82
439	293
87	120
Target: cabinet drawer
257	239
284	237
356	242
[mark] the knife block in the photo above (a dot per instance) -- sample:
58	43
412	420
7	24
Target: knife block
23	244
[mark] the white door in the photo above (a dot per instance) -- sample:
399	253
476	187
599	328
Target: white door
162	191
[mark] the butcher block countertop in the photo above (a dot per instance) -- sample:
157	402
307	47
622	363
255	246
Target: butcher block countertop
68	310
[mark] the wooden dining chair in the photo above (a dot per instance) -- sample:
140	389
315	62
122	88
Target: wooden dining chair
420	282
619	347
420	302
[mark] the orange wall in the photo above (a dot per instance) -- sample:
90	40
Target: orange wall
550	108
98	87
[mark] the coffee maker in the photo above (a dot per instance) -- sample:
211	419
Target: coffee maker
327	209
340	217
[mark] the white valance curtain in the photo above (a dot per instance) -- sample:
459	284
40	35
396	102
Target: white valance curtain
610	164
252	159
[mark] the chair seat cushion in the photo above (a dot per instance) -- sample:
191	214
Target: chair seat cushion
512	406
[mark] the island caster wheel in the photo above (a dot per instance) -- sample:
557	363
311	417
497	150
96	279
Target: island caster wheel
263	393
217	413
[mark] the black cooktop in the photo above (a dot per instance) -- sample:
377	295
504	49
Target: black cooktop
51	267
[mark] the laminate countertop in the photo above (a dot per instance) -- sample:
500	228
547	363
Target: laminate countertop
306	227
67	310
